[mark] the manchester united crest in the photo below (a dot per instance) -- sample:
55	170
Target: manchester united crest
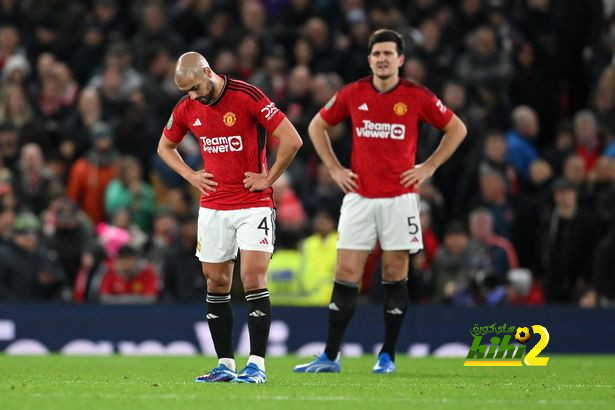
229	119
400	108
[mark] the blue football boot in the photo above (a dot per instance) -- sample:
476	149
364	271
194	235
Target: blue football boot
384	364
220	374
321	364
251	374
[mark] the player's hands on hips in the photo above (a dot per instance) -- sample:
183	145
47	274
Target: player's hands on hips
256	182
345	178
417	175
202	181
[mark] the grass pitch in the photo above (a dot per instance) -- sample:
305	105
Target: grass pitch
57	382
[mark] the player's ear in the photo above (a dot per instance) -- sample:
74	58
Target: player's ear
207	71
402	58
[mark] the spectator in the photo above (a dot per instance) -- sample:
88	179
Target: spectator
90	175
129	191
495	198
319	258
289	214
32	184
502	255
69	236
604	269
521	149
183	276
128	279
453	269
569	236
27	270
588	145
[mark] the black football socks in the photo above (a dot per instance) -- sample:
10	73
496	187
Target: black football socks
341	309
396	300
259	320
220	319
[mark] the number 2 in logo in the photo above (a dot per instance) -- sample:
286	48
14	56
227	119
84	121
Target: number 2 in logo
531	358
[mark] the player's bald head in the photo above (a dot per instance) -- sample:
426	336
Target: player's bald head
190	65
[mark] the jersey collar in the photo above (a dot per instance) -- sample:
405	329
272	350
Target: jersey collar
215	101
371	81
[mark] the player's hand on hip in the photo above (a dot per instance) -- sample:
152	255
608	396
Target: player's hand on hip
202	181
256	182
416	176
346	179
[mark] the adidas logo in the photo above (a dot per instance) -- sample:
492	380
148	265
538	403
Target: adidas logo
414	239
333	306
264	241
211	316
395	311
363	107
257	313
196	123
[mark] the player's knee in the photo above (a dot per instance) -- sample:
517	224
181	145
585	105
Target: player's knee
219	283
347	273
253	282
394	272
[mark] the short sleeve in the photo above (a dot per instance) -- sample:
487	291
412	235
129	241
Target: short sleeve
267	114
433	111
336	110
175	128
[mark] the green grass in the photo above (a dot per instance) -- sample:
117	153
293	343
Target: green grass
56	382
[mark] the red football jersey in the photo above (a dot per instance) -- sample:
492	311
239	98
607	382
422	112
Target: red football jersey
232	132
143	283
384	130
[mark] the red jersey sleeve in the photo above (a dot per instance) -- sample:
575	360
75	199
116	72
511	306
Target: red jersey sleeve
150	281
336	110
266	113
176	127
106	285
433	111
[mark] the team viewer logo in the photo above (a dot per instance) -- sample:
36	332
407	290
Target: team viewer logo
381	130
218	145
500	352
229	119
400	108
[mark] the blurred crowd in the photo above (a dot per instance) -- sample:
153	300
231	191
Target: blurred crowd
522	214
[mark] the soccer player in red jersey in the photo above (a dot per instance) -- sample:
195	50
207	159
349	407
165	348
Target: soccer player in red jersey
231	120
381	202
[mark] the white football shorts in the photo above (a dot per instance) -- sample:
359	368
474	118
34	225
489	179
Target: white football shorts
221	233
393	221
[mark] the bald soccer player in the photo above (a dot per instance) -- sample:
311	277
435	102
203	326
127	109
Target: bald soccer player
231	120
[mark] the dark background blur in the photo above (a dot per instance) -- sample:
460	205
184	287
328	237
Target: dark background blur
523	213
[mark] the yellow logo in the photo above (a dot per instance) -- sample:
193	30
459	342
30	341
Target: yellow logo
400	108
229	119
198	246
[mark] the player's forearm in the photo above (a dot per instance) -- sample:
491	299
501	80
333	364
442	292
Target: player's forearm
451	140
284	156
171	157
322	144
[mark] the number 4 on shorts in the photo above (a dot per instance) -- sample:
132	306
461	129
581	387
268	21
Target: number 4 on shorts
263	225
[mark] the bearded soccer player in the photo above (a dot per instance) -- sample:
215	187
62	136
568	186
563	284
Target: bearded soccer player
231	120
381	202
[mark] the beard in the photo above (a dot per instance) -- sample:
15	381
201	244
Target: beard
209	97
